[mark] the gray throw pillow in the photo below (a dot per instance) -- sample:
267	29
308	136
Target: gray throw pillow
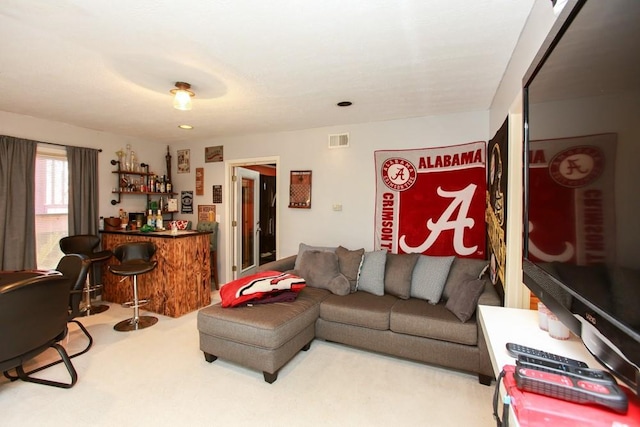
463	298
371	274
460	268
397	274
350	264
429	276
320	269
302	248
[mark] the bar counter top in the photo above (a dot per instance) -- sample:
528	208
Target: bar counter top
163	233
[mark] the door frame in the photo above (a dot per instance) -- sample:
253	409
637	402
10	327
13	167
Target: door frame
229	256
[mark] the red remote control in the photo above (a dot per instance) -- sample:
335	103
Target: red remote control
571	388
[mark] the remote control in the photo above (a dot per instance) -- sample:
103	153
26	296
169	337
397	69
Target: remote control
516	350
546	365
572	389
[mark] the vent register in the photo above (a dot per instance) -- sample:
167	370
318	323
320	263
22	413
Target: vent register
339	140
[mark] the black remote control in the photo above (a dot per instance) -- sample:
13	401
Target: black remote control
516	350
572	389
551	366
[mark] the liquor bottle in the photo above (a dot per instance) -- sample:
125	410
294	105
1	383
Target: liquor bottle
161	190
159	224
151	221
152	184
169	186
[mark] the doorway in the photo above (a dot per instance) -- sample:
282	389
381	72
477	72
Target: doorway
252	209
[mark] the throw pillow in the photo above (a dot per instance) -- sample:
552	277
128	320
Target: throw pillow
460	268
371	274
349	262
397	274
429	276
463	298
320	269
302	248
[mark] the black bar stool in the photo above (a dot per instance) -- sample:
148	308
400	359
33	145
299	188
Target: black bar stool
135	258
86	244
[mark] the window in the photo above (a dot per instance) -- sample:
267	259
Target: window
51	204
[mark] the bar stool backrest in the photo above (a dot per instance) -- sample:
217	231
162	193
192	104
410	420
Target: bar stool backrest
84	244
134	251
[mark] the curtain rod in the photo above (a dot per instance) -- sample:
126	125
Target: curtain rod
62	145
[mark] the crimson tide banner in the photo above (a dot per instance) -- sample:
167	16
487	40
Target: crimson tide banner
571	199
432	200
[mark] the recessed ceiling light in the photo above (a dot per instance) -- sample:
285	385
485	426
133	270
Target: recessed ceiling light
344	103
187	127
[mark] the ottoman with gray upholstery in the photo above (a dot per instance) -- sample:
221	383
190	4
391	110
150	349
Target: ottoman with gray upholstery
262	336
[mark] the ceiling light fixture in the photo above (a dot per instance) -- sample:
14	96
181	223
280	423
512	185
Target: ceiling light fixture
344	103
187	127
182	96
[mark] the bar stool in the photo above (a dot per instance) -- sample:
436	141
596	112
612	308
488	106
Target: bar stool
135	258
86	244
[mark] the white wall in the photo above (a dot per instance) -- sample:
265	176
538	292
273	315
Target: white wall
345	176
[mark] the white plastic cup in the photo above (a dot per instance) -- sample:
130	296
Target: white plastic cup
543	316
557	329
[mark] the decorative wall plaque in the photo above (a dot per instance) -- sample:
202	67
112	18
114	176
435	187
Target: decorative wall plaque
217	194
186	202
213	154
199	181
206	212
300	190
184	161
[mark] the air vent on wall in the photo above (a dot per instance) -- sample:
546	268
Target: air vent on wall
339	140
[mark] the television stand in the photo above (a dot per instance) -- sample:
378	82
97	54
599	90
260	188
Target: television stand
501	325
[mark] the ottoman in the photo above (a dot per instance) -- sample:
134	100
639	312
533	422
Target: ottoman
263	336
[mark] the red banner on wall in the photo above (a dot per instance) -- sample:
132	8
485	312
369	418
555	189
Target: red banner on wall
431	200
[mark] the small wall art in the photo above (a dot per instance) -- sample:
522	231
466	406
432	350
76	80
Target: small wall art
186	202
213	154
199	181
217	194
184	161
300	190
206	212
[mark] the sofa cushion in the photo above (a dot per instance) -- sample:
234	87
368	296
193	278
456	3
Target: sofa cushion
302	248
429	277
371	274
321	270
358	309
419	318
463	298
460	269
350	264
397	274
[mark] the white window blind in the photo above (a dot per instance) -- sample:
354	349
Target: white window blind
51	204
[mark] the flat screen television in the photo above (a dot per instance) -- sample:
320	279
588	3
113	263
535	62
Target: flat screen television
582	179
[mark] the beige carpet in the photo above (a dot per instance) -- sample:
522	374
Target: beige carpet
158	377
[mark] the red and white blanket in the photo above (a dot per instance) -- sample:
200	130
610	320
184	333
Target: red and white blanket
260	286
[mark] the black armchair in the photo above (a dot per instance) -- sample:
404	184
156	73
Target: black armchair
76	267
33	317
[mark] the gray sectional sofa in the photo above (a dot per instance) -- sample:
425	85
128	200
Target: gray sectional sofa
410	306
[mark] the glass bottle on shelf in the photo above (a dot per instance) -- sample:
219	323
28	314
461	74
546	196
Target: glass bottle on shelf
159	224
151	221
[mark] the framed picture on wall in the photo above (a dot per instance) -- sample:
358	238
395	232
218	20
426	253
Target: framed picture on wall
300	190
184	161
213	154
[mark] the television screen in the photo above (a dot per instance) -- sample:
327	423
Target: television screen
582	203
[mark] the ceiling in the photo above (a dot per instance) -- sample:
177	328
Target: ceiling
255	66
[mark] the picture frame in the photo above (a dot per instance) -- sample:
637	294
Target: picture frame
199	181
300	189
213	154
206	212
184	161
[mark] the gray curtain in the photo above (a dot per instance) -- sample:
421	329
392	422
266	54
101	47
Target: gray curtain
17	207
83	190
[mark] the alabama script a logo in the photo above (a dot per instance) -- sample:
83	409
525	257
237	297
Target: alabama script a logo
460	202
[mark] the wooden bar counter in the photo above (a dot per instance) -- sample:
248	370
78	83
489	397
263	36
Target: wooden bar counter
181	282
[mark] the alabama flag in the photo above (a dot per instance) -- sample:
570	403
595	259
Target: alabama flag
432	200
